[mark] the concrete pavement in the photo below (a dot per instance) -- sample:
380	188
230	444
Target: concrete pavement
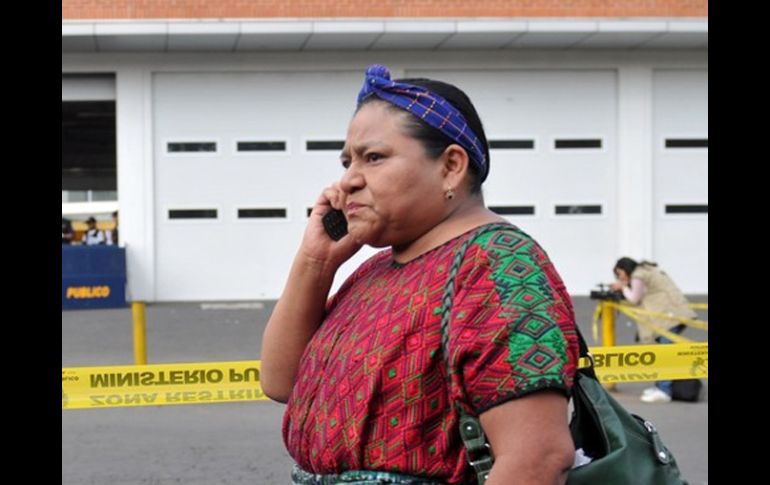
240	443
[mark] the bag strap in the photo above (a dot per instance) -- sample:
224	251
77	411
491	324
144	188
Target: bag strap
474	439
585	354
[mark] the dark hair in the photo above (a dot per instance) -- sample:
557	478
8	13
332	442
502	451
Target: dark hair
432	139
629	265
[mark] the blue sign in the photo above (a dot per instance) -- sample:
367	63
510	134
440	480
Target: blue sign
93	277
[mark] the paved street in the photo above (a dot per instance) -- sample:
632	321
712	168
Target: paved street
240	443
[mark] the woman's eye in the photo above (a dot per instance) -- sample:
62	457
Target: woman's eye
373	157
345	163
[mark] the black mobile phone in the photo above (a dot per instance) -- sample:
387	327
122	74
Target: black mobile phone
335	224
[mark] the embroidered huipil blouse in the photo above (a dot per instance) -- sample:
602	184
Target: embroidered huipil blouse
371	390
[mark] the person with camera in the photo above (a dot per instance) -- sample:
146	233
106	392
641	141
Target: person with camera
646	285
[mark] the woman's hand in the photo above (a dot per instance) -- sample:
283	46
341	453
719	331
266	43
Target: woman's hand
300	309
617	286
316	243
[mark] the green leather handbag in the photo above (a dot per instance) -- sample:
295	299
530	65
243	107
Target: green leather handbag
624	448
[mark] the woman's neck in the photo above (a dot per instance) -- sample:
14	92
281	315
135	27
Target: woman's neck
466	217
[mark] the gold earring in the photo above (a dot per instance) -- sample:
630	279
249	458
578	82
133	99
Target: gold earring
449	194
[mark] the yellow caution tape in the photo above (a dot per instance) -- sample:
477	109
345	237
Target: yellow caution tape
641	317
633	312
210	382
674	337
160	384
639	363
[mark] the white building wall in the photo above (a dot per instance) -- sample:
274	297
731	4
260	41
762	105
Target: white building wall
149	181
680	109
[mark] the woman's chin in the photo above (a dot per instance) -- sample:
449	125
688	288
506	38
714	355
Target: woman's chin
363	234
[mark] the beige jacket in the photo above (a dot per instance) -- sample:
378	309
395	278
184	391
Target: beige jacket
661	296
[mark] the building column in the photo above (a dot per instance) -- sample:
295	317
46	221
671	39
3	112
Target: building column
133	106
635	162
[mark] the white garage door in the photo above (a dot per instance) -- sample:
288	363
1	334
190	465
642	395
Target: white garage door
234	176
681	176
553	135
239	159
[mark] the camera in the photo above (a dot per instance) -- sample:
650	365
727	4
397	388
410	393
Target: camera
604	293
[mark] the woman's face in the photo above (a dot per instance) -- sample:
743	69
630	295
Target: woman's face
621	275
393	192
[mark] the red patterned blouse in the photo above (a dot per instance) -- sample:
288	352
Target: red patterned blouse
371	392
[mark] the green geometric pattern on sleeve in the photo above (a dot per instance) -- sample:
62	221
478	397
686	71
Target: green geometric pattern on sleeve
526	287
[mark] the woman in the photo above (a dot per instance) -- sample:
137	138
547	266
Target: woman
363	372
645	285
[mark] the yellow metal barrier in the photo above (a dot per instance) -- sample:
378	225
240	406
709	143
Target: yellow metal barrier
608	331
608	324
606	310
140	333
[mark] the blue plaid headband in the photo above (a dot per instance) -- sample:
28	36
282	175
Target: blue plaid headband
429	107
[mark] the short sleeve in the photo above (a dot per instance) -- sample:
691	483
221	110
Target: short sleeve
512	330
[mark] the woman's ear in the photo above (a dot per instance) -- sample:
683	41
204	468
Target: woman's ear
455	164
